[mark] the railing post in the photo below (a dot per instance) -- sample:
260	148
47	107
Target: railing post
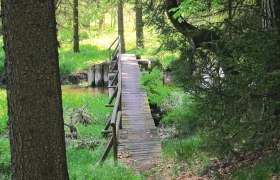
115	143
110	54
120	77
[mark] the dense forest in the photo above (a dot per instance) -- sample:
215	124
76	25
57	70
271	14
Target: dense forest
212	83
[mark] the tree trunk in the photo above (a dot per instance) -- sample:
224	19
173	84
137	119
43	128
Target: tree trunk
34	93
271	13
76	40
139	25
120	25
101	23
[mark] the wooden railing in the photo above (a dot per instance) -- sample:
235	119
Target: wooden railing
113	55
115	119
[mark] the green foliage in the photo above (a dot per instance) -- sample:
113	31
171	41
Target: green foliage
233	83
262	170
153	83
231	103
190	8
181	115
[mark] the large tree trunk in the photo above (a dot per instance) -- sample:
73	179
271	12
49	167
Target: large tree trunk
120	25
76	40
34	93
101	23
197	37
139	25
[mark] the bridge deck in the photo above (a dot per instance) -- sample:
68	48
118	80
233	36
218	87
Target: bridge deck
139	139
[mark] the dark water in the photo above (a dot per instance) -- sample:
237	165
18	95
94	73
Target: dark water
80	90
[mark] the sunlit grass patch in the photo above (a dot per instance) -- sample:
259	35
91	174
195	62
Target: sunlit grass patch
94	106
78	62
83	160
83	164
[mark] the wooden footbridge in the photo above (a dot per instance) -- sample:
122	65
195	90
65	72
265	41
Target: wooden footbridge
135	138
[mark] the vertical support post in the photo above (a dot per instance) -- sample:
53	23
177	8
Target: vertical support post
91	76
115	143
110	56
111	78
120	76
120	110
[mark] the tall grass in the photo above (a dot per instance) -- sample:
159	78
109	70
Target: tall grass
188	153
83	164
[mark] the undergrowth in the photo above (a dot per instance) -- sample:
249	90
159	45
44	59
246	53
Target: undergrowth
264	169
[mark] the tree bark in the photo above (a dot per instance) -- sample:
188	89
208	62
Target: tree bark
139	25
34	93
120	25
271	13
101	23
76	40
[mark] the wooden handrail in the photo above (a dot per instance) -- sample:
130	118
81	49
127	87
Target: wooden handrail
115	120
113	43
110	48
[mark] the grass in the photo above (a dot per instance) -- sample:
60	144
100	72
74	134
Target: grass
187	153
5	157
4	142
82	164
94	105
78	62
83	161
263	170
